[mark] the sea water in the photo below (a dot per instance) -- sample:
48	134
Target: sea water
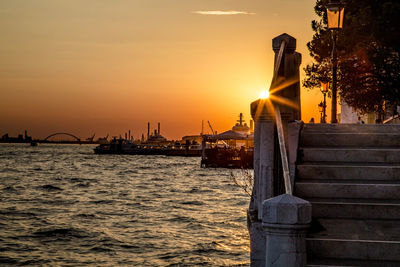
62	205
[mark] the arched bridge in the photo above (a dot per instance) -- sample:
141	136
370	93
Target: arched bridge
54	134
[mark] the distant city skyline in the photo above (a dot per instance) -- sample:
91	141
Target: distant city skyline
106	67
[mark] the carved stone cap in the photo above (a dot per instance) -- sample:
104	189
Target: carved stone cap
290	43
261	111
286	209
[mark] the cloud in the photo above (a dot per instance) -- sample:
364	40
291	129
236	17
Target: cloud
223	13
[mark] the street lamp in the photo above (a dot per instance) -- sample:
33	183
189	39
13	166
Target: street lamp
335	14
324	91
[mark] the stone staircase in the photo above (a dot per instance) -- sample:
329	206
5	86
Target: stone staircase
351	176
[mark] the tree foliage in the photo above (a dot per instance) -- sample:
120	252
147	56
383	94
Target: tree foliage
368	53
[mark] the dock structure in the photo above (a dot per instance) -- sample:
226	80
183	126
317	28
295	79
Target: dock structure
324	194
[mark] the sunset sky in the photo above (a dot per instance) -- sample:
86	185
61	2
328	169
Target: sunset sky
101	66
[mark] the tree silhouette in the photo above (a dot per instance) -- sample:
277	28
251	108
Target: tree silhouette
368	51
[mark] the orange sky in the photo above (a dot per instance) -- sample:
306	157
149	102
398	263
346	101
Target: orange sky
98	66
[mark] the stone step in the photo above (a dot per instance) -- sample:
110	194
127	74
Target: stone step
346	190
348	172
351	128
351	176
347	209
388	230
375	155
354	181
347	263
354	200
329	139
323	248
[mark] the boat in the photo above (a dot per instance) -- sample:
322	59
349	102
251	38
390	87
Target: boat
123	146
231	149
115	146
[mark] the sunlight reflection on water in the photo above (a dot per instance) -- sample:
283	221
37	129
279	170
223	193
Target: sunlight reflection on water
64	205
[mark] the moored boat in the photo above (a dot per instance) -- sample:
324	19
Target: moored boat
123	146
231	149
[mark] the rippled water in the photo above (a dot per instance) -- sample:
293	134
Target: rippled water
64	205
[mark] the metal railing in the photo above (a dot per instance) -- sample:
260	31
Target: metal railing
282	147
391	119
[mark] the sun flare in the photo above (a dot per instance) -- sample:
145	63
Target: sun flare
264	94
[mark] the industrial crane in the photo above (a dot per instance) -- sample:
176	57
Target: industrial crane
212	131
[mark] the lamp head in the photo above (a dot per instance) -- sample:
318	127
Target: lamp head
335	14
324	87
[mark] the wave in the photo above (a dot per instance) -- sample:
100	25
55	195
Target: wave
193	202
61	232
101	249
49	187
5	170
8	260
84	184
197	191
103	201
124	172
85	215
10	189
205	248
182	219
17	213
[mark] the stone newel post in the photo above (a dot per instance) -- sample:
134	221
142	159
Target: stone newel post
286	219
268	177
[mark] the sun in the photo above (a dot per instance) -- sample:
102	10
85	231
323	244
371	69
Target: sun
264	94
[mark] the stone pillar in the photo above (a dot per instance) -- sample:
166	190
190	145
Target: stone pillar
286	219
257	243
264	139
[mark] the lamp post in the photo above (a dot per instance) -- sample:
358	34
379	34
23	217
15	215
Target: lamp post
335	13
321	109
324	91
